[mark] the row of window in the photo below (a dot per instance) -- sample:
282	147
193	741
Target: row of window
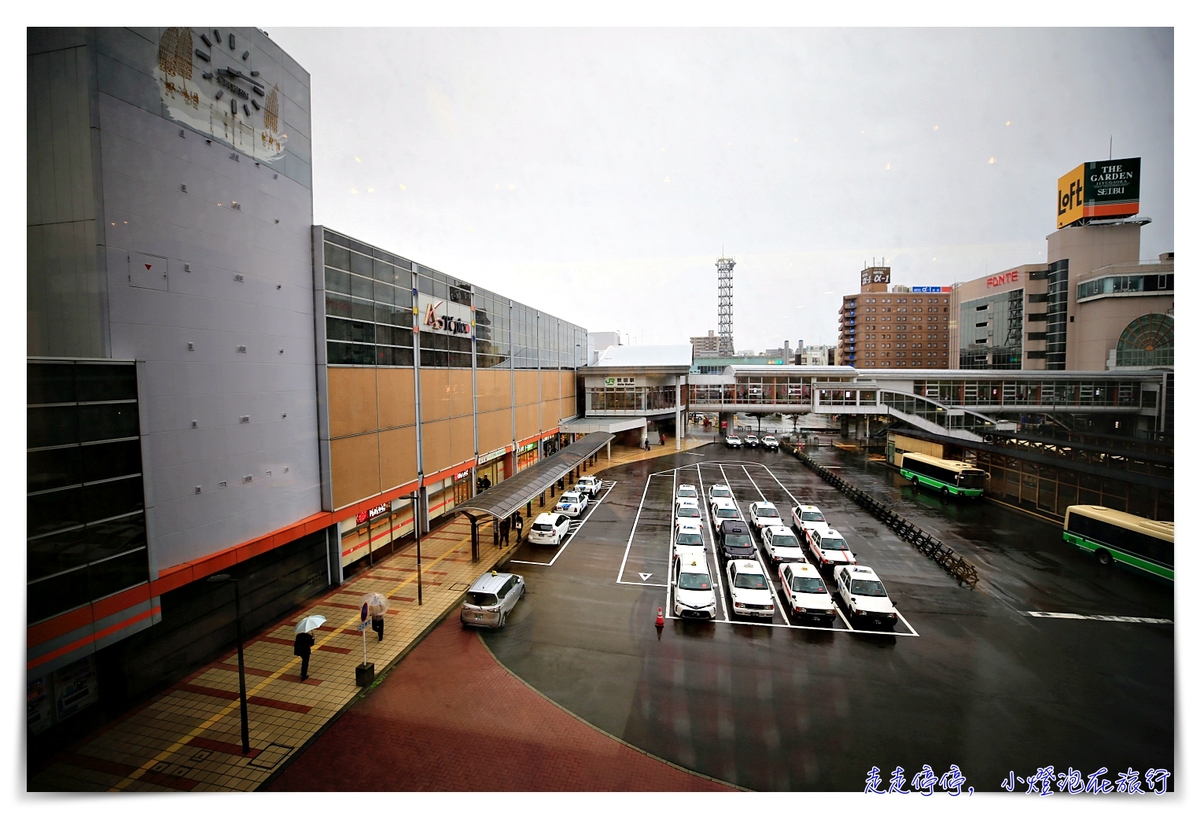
1126	284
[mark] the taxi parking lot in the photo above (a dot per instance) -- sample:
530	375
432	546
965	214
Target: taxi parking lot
979	678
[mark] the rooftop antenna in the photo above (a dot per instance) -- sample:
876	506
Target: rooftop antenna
1110	147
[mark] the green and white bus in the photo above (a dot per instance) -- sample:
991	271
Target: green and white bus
947	476
1115	536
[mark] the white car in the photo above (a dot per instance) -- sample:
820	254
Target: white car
749	589
724	509
770	443
763	514
752	440
688	509
490	600
805	517
829	547
719	490
588	485
782	545
688	533
549	529
694	595
733	442
864	595
804	591
572	503
686	490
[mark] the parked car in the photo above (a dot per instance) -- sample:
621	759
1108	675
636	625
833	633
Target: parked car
805	517
735	540
688	533
719	490
572	503
589	485
491	598
687	508
829	547
694	595
686	490
804	592
763	514
864	596
749	589
782	545
769	443
751	441
724	509
549	528
733	442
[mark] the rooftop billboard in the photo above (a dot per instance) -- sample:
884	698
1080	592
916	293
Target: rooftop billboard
1107	189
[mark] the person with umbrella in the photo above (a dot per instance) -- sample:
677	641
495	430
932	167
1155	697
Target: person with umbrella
303	645
376	606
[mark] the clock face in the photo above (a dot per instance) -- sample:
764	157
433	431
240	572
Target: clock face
209	80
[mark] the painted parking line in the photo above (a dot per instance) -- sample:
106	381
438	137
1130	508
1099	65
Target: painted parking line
1144	620
572	529
633	531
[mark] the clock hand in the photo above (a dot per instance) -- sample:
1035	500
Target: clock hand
233	72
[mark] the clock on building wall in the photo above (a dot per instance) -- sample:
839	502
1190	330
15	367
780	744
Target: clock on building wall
211	81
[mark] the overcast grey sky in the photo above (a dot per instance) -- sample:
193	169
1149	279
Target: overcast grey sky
598	173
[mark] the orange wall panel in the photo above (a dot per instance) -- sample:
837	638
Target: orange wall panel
435	395
435	445
397	456
550	415
550	385
527	389
397	398
355	468
566	384
495	430
352	401
462	439
461	393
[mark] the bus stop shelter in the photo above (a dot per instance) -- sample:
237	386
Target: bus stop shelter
503	499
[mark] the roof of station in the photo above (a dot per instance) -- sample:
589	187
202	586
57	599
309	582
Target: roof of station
505	497
654	357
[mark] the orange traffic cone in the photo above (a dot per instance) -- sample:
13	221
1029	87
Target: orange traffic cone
658	620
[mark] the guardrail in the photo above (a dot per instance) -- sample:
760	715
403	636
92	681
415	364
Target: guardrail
926	543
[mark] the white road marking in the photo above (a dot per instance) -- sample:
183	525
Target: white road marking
644	576
632	531
715	556
1146	620
572	529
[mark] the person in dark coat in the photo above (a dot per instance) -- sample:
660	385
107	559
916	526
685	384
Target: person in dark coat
519	524
303	648
504	526
377	624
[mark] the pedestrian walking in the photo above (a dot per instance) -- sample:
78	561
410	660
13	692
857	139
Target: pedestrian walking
520	525
662	438
303	648
377	624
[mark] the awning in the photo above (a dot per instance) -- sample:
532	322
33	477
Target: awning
509	495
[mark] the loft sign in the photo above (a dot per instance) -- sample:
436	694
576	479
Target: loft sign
438	315
371	514
1011	277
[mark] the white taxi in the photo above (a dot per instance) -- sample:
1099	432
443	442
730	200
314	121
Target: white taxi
549	529
782	545
864	596
804	592
572	503
749	589
763	514
828	546
694	595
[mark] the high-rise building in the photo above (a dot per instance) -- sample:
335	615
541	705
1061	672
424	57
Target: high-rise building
705	344
906	328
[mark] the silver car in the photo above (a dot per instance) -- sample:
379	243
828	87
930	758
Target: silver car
491	599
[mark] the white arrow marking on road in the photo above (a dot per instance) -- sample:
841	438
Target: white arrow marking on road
644	576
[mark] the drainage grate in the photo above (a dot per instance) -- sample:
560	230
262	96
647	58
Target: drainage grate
271	755
459	586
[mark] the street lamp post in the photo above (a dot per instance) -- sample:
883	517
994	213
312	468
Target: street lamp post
417	527
237	603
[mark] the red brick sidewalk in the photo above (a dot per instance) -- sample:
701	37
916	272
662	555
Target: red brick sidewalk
449	717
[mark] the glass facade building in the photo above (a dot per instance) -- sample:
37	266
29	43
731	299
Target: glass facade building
990	331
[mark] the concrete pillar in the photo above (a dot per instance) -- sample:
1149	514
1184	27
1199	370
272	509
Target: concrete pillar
608	450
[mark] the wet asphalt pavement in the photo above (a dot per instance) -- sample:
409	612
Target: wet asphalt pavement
976	682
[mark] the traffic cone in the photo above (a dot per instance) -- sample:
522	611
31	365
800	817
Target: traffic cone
658	620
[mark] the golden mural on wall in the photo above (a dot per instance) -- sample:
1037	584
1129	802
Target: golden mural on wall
175	52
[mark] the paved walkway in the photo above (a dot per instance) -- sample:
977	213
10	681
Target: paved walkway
452	718
189	736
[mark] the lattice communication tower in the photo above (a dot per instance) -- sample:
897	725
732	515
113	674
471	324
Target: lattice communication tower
725	306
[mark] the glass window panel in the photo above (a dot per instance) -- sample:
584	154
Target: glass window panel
52	469
384	271
56	594
337	281
103	540
383	356
50	383
108	421
362	287
362	265
402	337
105	382
362	354
404	298
338	353
110	499
52	426
337	305
117	574
460	359
55	553
337	239
53	511
105	460
337	256
383	334
402	356
362	310
385	293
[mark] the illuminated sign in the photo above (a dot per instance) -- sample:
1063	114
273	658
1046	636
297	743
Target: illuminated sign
1093	190
877	275
371	514
1011	277
931	289
442	316
618	381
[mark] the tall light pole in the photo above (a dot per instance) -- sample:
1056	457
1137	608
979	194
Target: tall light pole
237	603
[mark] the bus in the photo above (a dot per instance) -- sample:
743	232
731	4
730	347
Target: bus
1115	536
947	476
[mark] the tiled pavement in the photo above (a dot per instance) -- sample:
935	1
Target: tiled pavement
188	738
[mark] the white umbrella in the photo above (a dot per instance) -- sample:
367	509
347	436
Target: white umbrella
376	603
310	623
